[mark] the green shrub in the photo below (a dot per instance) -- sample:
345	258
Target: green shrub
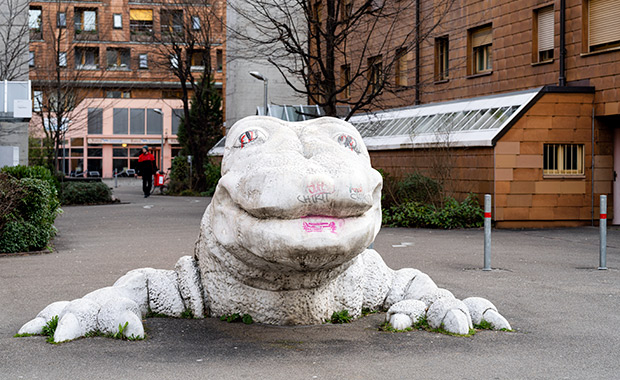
453	214
179	175
28	213
213	173
418	188
38	172
85	193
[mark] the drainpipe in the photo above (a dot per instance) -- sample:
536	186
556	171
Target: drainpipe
417	52
562	79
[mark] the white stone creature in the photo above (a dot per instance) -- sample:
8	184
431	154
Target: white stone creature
283	240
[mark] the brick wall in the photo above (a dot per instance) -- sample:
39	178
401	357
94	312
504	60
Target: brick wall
512	57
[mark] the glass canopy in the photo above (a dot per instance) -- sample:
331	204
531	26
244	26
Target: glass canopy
471	122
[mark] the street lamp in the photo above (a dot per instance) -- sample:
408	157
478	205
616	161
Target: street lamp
161	158
259	76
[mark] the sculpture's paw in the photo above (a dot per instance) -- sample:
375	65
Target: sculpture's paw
118	310
405	314
482	310
449	314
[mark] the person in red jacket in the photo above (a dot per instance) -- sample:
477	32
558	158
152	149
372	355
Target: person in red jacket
146	168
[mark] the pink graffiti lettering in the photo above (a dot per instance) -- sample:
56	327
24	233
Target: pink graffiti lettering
320	188
319	227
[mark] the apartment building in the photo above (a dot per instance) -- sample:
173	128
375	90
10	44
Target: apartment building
119	59
522	98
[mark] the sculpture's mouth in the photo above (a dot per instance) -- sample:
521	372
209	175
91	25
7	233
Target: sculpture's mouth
310	242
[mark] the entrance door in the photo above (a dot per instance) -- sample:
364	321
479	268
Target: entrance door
616	186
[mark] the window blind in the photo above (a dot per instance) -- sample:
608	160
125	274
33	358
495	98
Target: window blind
545	29
604	21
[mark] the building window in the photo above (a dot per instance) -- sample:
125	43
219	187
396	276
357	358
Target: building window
481	40
85	20
95	122
120	121
195	23
171	23
563	159
177	116
118	21
118	94
401	68
31	58
154	122
62	59
345	81
543	34
136	121
35	23
603	31
37	100
86	58
141	24
375	73
118	59
172	94
442	58
143	61
61	20
199	60
219	60
174	61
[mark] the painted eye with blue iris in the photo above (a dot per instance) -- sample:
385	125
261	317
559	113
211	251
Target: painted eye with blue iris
348	142
250	137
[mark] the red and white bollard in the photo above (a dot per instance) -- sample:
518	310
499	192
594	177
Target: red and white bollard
487	232
603	232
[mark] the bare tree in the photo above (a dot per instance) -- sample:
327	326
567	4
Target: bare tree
189	32
63	79
14	39
342	51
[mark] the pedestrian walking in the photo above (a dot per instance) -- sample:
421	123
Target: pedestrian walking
146	168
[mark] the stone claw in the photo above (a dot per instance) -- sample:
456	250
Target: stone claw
482	309
122	306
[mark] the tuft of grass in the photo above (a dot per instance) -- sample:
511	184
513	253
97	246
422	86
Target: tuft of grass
366	311
24	335
187	314
341	317
50	328
484	325
235	317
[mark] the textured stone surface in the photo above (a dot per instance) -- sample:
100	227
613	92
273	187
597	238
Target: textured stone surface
190	286
451	314
163	291
118	311
413	309
76	319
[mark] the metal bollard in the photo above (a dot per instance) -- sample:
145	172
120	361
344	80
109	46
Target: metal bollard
115	178
603	231
487	232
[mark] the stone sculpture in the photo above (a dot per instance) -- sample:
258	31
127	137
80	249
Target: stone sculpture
284	240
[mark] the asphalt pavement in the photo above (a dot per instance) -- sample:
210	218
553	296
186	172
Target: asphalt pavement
565	312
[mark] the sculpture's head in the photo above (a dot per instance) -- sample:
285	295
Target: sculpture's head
296	197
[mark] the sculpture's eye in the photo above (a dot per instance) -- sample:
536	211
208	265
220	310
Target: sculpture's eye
249	137
348	142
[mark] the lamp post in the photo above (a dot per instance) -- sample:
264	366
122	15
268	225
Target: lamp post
259	76
161	153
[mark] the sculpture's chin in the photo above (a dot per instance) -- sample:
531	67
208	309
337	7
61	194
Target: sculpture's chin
311	243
